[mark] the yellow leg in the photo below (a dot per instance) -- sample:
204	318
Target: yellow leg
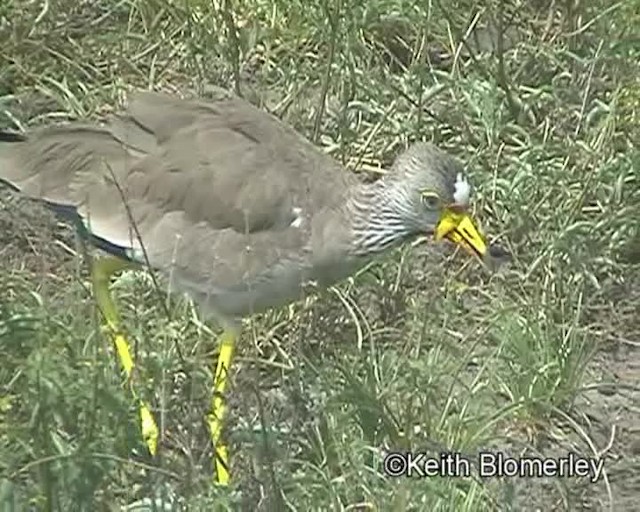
101	271
216	417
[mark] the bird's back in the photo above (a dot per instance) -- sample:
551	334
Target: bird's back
222	195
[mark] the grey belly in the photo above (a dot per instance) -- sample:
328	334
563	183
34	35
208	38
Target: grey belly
245	298
280	286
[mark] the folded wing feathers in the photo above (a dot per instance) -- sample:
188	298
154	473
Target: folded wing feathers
155	166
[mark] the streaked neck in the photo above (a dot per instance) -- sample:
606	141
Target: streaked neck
379	211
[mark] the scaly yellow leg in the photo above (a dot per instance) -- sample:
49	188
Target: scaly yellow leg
101	271
226	342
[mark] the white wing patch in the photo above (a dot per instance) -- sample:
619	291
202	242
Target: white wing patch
462	190
298	218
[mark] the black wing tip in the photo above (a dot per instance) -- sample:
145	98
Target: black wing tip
9	185
6	136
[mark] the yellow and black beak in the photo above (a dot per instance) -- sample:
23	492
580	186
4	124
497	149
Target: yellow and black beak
458	227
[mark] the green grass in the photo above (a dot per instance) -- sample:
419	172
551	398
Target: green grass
421	351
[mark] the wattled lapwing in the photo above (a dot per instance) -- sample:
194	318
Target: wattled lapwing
232	205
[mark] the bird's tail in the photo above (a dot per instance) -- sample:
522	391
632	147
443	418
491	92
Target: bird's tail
8	141
9	137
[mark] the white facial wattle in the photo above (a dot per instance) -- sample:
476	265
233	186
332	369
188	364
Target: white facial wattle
462	191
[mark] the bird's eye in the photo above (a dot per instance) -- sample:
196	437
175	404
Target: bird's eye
431	200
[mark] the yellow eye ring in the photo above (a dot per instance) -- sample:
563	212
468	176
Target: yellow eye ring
431	200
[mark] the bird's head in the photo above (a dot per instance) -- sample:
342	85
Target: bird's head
432	195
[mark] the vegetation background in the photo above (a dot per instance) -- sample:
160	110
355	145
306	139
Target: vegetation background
421	351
